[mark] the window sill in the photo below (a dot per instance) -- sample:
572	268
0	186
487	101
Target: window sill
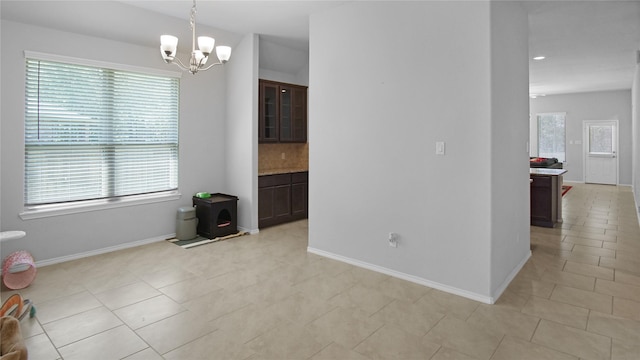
44	211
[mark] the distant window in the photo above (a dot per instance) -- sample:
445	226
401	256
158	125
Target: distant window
551	136
98	133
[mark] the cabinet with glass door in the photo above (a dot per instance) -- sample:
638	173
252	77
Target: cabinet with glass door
282	112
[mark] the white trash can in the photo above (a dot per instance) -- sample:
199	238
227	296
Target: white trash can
186	223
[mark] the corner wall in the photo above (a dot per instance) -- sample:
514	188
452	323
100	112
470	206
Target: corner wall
510	221
374	119
241	137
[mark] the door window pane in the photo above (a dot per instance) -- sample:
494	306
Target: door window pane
600	139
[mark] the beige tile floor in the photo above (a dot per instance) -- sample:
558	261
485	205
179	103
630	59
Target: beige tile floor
264	297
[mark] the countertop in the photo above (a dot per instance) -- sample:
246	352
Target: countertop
280	171
544	171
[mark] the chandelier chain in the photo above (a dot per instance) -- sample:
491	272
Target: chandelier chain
192	22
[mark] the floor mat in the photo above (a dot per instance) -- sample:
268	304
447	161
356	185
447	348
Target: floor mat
199	240
565	188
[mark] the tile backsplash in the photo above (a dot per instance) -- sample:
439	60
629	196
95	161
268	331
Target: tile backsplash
270	157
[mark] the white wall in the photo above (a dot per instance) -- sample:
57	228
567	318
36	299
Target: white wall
602	105
278	62
272	75
510	223
202	148
373	123
301	78
241	137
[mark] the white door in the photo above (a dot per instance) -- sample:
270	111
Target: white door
601	152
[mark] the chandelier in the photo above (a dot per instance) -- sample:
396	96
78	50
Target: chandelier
169	45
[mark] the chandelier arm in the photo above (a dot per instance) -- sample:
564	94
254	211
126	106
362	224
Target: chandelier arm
179	64
210	66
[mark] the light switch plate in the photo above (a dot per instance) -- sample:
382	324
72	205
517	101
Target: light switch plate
439	147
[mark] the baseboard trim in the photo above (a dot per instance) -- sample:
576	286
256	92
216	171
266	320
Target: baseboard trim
251	232
109	249
404	276
635	201
510	278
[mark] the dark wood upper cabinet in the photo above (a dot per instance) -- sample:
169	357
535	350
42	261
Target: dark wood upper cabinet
268	112
286	95
299	114
282	113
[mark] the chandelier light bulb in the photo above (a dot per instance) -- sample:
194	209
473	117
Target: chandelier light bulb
224	53
206	44
168	45
201	59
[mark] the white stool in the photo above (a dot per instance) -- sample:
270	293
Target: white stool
11	235
19	268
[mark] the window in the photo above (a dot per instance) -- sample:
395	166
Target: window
551	136
98	133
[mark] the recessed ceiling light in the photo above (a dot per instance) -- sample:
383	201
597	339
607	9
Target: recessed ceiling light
539	58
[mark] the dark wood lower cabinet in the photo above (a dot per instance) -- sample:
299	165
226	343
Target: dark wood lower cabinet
299	195
282	202
282	198
544	200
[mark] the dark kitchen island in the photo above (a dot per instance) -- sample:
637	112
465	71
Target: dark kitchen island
546	196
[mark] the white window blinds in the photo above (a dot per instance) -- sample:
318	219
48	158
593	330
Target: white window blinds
97	133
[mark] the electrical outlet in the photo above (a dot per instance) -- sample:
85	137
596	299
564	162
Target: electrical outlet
393	240
282	156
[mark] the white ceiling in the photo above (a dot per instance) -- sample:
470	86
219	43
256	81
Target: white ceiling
589	45
286	21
